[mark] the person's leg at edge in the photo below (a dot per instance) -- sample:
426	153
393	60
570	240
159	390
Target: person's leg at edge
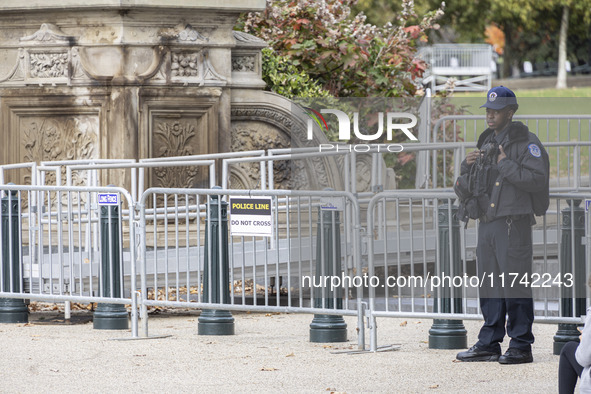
569	369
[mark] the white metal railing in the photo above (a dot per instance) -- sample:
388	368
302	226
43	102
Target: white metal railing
468	65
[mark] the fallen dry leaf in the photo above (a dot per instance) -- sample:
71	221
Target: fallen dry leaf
434	386
403	324
290	355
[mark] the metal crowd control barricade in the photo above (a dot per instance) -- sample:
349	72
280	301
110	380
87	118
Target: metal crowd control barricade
266	161
447	61
405	257
337	149
212	156
270	274
18	166
138	171
56	263
90	178
571	143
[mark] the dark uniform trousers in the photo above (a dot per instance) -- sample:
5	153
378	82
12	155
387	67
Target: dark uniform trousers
505	249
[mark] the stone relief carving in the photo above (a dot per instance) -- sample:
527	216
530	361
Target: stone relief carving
49	33
210	75
55	138
363	170
263	114
48	65
255	136
287	174
175	138
244	63
17	74
190	67
78	72
65	63
185	64
248	39
303	173
60	138
240	179
188	34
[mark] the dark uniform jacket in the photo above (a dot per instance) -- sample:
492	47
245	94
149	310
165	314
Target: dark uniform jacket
525	170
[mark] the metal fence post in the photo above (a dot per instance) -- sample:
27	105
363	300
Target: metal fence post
328	328
572	252
110	316
12	310
216	322
446	333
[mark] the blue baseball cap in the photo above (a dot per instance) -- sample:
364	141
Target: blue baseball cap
499	97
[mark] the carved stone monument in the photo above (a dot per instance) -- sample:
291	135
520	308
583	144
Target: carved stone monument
137	79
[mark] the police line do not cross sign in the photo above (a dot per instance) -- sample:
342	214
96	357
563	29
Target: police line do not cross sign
251	216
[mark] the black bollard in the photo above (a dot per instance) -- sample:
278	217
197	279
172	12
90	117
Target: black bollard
216	322
447	333
328	328
110	316
576	294
12	310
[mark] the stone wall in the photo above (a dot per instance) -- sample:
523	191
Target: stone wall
131	80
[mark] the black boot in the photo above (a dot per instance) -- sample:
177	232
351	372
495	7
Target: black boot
477	354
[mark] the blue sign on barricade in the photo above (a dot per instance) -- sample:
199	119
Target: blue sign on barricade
108	199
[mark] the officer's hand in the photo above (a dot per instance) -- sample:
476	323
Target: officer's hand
502	155
472	156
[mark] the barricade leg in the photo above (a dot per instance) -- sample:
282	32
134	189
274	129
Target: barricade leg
446	333
216	274
110	316
572	300
12	310
328	328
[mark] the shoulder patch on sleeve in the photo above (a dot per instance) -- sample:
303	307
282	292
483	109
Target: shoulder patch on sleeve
534	150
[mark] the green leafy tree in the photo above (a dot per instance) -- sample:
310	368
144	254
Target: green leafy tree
324	46
378	12
346	55
531	27
284	78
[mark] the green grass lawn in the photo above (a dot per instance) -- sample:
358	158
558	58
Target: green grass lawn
570	92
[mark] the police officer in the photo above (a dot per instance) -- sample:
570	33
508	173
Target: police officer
519	168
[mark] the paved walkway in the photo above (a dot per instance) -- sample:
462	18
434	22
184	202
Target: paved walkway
269	353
